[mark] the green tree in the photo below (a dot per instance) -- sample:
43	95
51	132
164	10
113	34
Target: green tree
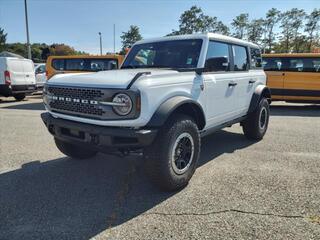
255	30
195	21
312	26
272	18
62	49
240	24
3	39
291	23
130	37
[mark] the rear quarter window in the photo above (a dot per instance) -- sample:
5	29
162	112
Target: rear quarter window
58	64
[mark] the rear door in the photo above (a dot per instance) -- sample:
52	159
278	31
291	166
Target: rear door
242	78
29	74
273	68
17	75
302	79
220	95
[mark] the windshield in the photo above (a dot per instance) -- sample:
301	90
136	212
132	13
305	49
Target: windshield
176	54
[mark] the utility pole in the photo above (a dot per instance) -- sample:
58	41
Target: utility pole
27	29
114	38
100	43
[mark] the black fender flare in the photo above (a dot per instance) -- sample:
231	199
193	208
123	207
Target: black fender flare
173	104
259	92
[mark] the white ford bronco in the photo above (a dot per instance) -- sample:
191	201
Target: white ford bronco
169	93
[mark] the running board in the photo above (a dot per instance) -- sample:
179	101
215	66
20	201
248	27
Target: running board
221	126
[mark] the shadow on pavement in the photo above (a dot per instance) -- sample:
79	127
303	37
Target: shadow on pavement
66	199
27	106
295	110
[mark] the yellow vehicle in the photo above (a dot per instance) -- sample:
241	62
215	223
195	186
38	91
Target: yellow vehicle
82	63
293	77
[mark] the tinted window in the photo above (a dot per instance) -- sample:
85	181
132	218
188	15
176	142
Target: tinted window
272	64
240	58
165	54
256	60
85	64
292	64
303	64
218	54
58	64
74	64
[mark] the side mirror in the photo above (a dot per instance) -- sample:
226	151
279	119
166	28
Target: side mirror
217	64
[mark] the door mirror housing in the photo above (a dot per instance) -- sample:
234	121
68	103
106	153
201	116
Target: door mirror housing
217	64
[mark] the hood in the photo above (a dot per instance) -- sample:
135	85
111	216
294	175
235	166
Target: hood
105	79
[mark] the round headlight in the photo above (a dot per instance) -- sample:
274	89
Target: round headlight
122	104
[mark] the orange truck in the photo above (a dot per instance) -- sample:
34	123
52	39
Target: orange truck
293	77
82	63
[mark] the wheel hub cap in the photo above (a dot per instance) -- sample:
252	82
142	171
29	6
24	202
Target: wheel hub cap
182	153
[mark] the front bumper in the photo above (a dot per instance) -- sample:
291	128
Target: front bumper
98	137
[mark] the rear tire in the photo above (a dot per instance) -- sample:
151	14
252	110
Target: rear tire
74	151
256	124
172	158
19	96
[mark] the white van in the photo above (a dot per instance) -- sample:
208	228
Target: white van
17	77
40	71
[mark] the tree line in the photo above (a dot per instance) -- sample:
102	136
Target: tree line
39	51
290	31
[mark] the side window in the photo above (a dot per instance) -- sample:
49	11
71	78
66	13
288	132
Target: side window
316	65
74	64
256	60
296	65
272	64
103	64
58	64
240	57
217	57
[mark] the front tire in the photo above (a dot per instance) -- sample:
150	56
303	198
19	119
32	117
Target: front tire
74	151
256	124
19	96
172	158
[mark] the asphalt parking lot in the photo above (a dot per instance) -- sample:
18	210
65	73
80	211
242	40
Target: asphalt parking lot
241	189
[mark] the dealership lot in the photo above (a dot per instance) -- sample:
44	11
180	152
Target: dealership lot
241	189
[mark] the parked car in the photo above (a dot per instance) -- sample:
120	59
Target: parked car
82	63
40	72
17	77
169	93
293	77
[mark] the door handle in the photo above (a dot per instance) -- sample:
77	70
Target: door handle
252	81
232	84
27	75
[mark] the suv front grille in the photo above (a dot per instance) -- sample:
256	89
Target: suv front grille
82	93
76	101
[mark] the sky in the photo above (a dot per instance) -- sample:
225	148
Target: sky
77	22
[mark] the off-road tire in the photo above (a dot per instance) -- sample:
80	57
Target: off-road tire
159	156
74	151
19	96
256	124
